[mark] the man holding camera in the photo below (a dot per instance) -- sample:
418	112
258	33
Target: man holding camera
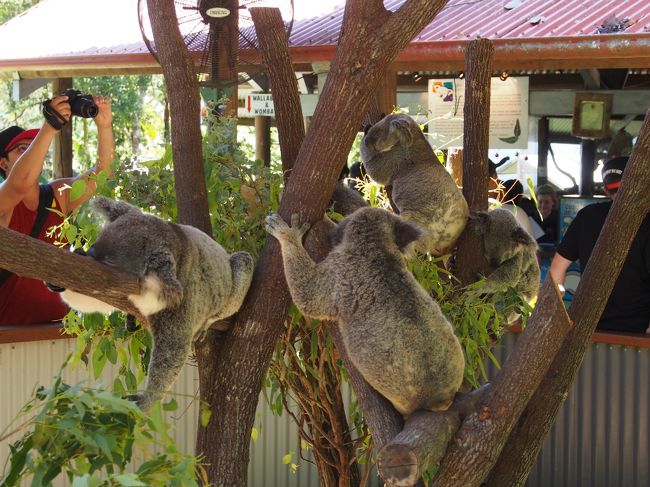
24	204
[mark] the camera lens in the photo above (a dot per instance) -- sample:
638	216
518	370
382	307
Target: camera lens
84	107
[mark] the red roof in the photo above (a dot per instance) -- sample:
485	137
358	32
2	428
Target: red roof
100	36
501	19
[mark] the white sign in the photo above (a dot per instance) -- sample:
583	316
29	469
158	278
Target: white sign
508	113
260	104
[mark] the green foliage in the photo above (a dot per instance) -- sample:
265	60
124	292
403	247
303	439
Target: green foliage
91	437
479	321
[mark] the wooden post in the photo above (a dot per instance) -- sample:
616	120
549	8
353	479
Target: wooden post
587	165
542	150
263	139
62	160
478	63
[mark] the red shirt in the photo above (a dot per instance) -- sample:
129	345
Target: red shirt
25	301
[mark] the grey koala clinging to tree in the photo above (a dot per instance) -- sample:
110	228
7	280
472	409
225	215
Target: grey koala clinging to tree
393	331
395	153
188	283
510	251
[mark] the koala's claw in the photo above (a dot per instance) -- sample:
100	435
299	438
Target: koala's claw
275	224
277	227
295	223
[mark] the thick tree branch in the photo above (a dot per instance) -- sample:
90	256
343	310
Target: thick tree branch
26	256
270	34
476	127
630	207
483	433
185	105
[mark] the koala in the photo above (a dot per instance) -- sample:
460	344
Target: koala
393	331
510	251
188	282
346	200
395	153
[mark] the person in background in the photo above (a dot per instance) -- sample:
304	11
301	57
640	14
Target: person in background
628	306
524	209
548	203
24	205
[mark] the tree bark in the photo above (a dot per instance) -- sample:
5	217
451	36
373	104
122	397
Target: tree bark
271	34
25	256
420	445
476	128
483	433
631	205
184	105
371	39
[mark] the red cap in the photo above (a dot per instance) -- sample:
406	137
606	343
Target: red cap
24	135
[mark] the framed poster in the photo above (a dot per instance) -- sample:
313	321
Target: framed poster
508	112
591	112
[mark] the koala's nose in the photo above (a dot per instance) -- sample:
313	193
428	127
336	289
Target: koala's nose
91	252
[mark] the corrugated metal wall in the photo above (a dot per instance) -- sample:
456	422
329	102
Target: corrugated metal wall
599	439
601	435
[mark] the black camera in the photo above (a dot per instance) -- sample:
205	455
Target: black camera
81	105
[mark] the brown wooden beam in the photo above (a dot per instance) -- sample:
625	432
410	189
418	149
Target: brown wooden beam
63	140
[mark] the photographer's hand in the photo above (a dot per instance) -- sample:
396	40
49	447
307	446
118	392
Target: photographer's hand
104	117
57	111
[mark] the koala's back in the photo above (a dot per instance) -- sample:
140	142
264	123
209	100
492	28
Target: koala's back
426	195
204	269
395	333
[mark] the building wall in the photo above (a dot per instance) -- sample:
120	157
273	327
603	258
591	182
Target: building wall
600	438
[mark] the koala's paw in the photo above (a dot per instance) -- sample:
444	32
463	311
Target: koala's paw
242	262
277	227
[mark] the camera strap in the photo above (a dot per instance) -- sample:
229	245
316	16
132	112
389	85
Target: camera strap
45	198
54	118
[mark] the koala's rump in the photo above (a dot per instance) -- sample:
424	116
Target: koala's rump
407	351
205	273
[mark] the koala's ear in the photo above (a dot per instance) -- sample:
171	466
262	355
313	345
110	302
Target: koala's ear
479	221
405	233
336	233
521	236
113	209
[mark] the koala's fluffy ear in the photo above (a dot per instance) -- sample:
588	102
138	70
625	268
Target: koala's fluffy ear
479	221
336	233
521	236
405	233
113	209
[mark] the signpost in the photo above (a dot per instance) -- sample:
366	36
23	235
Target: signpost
260	104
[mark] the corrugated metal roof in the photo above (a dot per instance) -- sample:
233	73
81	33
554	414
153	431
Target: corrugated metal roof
501	19
85	37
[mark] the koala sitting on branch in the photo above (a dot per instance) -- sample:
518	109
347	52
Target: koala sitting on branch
188	282
395	153
510	251
394	332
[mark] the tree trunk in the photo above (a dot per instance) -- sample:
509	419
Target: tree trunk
282	79
371	39
184	105
484	432
630	207
476	116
